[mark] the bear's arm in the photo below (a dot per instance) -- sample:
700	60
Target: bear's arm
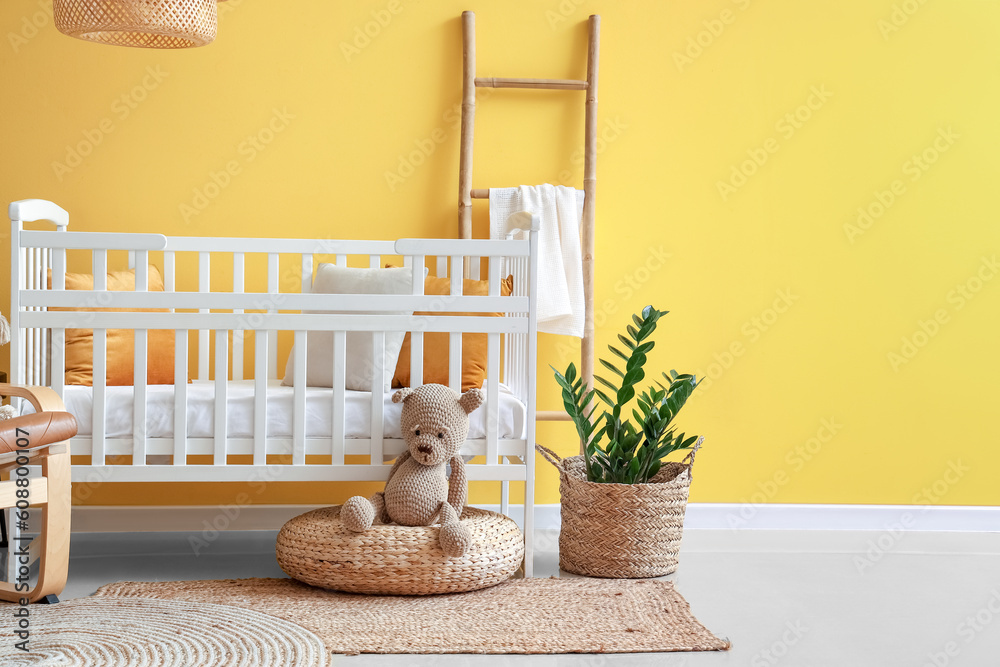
458	486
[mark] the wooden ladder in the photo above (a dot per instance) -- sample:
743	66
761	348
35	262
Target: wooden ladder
466	193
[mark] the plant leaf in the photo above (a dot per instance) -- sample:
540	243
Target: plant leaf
606	383
611	367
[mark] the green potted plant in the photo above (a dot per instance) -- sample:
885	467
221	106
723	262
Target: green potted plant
622	504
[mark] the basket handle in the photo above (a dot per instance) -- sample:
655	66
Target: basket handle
550	456
689	459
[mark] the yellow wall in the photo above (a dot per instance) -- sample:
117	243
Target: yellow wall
791	305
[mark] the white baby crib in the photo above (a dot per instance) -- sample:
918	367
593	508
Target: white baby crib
229	419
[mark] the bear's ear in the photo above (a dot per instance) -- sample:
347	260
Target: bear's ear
401	395
471	400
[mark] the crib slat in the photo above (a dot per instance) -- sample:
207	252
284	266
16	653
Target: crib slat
204	285
142	271
169	271
59	268
260	398
341	260
417	337
307	273
493	382
455	361
180	397
416	358
99	408
31	336
238	287
377	394
299	400
221	395
529	366
455	339
494	276
46	255
442	267
492	395
139	399
339	402
100	262
374	261
141	260
58	355
273	287
455	275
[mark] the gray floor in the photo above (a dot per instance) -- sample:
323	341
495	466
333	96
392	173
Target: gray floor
796	598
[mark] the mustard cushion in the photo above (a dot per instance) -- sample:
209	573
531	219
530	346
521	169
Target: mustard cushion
120	342
437	344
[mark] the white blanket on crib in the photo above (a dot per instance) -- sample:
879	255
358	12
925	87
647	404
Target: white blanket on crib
240	404
560	259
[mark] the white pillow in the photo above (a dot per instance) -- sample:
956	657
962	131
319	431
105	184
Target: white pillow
332	279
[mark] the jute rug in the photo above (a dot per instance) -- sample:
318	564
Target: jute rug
109	632
518	616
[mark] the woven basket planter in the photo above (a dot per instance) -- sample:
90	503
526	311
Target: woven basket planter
316	549
623	531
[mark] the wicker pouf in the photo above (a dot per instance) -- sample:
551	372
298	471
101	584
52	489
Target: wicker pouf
316	549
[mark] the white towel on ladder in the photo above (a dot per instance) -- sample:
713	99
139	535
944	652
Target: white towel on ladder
560	259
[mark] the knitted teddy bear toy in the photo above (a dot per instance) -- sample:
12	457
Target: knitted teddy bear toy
435	423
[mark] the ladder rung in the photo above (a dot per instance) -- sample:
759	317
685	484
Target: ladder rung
483	193
551	84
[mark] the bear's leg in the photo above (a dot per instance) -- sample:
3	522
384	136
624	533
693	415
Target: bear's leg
358	513
378	502
455	537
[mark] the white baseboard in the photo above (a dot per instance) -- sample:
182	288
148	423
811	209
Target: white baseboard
700	516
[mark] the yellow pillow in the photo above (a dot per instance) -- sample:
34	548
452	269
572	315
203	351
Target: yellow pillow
120	342
436	344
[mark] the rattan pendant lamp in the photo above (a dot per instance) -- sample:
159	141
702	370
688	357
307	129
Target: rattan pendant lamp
151	24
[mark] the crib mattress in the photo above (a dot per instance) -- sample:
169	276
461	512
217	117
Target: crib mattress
79	401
